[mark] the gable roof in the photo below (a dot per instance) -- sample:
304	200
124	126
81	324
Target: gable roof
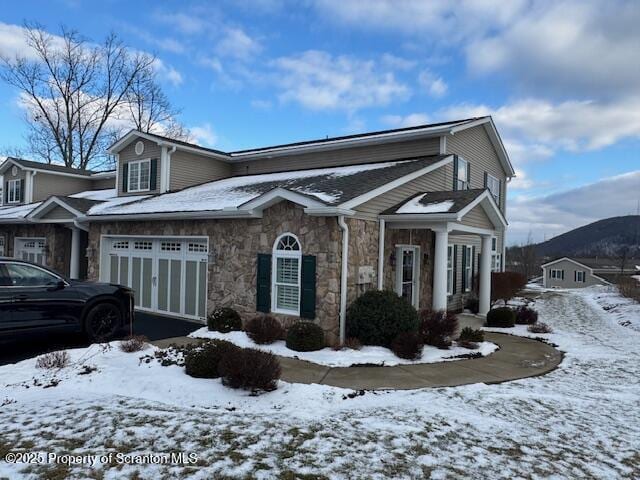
320	187
162	140
600	264
47	167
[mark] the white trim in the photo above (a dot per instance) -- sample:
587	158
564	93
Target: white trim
381	233
37	239
450	260
468	268
129	170
443	145
565	258
163	168
359	200
43	209
495	210
275	255
15	181
277	195
415	272
42	170
344	278
116	147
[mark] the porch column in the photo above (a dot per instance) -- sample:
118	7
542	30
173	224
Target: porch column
74	262
439	300
485	276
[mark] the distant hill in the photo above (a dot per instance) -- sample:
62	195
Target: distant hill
604	238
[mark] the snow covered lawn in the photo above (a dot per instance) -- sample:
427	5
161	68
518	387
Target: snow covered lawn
580	421
347	357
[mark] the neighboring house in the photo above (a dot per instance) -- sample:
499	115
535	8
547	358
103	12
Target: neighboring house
56	241
300	230
568	272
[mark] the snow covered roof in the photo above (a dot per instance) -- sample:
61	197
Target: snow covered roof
325	186
16	213
436	202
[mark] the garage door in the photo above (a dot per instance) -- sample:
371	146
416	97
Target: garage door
169	275
30	249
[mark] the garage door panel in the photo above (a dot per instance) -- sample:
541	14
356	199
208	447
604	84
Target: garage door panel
202	290
163	285
176	292
191	282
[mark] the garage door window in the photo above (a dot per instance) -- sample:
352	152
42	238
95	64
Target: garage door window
287	256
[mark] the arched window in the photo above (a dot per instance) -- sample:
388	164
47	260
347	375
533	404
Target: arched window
287	263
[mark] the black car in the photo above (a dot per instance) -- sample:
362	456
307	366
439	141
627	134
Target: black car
34	299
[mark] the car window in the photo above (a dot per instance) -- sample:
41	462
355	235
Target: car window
29	276
5	281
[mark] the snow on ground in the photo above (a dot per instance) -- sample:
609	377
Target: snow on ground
580	421
347	357
625	310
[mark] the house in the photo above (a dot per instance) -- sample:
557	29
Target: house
300	230
572	272
57	242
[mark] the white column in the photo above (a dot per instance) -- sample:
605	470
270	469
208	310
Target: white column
381	255
485	276
74	262
439	300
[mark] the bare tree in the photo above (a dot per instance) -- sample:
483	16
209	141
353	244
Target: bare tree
76	94
524	258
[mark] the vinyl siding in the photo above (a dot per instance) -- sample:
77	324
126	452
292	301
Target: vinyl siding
103	184
188	169
456	301
128	154
46	185
475	146
432	181
346	156
58	213
568	282
21	174
477	218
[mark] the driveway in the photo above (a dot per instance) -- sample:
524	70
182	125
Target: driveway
154	327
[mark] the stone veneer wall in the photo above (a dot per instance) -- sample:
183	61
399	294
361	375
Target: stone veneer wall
425	240
236	244
58	239
363	252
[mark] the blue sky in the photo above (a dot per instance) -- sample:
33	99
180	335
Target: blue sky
559	78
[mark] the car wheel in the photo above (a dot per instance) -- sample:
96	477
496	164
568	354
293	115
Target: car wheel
103	322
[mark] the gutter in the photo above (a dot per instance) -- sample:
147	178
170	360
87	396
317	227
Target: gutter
343	278
138	217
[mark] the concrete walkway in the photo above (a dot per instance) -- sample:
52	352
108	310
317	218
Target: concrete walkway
518	357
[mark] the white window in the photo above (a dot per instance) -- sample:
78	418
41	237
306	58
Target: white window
468	271
13	191
450	270
286	275
493	184
462	180
495	256
580	276
556	274
139	176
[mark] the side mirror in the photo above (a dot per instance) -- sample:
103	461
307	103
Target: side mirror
58	286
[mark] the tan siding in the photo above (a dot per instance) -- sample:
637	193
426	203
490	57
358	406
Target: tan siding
58	213
475	146
128	154
188	169
432	181
568	282
46	185
8	176
477	218
103	184
350	156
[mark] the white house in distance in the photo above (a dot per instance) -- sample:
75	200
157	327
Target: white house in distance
569	272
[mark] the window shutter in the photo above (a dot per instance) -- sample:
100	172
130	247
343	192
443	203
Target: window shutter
486	180
464	268
153	174
468	175
125	177
473	267
308	297
263	287
6	192
455	269
455	173
575	275
562	274
22	197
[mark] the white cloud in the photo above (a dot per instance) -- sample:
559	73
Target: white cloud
13	42
261	104
204	134
188	23
411	120
319	81
432	84
397	63
237	44
560	212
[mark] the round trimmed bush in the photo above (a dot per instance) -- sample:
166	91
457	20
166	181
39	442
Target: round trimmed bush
250	369
264	329
378	316
408	345
305	337
203	361
468	334
502	317
224	320
526	315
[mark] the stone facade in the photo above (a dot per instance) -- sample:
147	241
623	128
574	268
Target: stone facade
58	242
236	243
363	252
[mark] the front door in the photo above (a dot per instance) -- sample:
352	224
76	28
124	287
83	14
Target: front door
408	273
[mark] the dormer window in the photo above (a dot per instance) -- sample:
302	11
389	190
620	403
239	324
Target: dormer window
14	191
139	176
461	176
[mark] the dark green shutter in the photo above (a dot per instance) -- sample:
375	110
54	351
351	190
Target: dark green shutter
486	179
468	175
6	192
455	172
455	269
464	269
308	297
125	177
473	267
22	197
263	287
153	175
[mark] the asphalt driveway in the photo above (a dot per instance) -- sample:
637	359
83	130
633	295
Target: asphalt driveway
154	327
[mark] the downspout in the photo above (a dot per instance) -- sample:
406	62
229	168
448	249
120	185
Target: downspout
343	278
168	172
381	255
